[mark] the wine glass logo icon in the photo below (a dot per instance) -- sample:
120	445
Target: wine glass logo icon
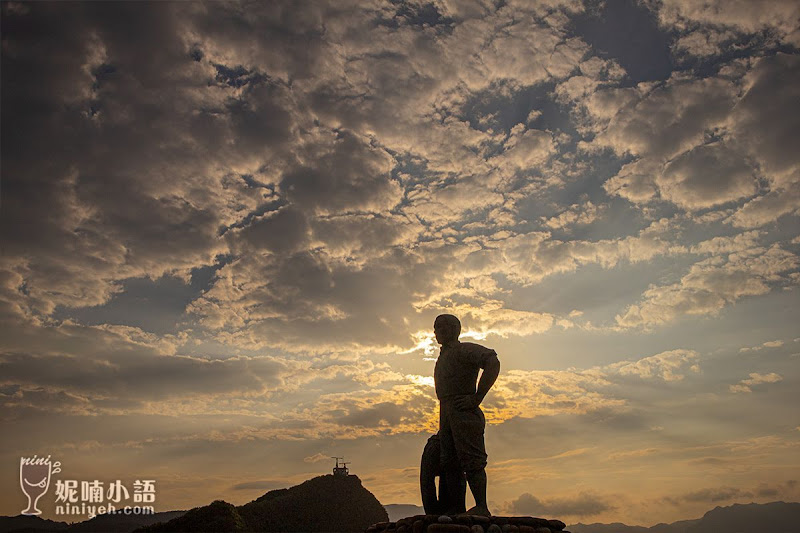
34	479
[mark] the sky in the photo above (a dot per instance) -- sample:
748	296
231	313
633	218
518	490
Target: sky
227	228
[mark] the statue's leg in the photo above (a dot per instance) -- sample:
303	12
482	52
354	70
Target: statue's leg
456	486
458	505
477	484
468	431
452	477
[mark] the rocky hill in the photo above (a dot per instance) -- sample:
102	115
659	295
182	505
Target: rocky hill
324	503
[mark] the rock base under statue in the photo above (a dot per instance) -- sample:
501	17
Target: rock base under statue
464	523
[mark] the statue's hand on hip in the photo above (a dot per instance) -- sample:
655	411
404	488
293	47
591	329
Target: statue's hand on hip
467	402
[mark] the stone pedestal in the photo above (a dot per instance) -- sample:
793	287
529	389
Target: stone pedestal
464	523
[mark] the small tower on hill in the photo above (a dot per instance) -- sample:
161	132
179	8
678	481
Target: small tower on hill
341	468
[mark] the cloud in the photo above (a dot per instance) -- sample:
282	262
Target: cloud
660	122
761	124
667	366
663	127
285	230
529	394
312	301
525	149
727	493
381	402
593	392
711	495
755	379
360	238
317	457
444	204
768	208
147	375
698	144
403	408
296	171
529	258
347	174
712	284
704	42
583	504
109	214
491	318
283	167
706	175
717	246
387	414
636	181
773	344
741	15
701	177
768	344
118	369
575	215
526	51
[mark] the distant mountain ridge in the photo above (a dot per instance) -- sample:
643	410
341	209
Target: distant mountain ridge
774	517
401	510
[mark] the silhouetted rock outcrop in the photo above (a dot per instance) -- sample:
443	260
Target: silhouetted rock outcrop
218	516
324	503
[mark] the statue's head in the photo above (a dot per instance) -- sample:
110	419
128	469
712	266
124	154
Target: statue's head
447	328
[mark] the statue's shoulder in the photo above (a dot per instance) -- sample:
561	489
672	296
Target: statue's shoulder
475	354
474	347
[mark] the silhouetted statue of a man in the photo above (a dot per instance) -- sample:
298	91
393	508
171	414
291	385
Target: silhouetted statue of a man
461	421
